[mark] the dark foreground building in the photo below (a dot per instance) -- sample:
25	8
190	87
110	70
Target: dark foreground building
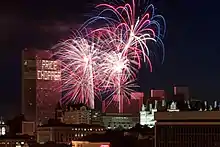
188	129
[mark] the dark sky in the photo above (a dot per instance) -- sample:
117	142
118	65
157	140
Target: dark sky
191	42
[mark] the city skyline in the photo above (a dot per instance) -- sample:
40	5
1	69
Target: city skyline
184	62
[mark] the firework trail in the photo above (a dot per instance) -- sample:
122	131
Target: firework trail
121	89
78	59
123	26
119	77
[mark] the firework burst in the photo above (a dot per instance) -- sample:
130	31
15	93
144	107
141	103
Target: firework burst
79	59
109	59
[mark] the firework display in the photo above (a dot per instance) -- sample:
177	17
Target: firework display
107	58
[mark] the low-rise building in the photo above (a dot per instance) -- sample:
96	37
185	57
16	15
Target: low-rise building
78	114
115	120
65	133
16	141
3	127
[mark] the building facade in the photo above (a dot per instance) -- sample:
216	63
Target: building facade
96	118
131	105
115	120
187	129
41	83
28	128
77	114
63	133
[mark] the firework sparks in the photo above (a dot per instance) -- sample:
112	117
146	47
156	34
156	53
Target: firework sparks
79	63
132	32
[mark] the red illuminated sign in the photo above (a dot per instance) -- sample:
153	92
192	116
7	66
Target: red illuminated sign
104	145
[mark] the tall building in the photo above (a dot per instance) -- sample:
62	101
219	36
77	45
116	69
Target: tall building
41	83
181	91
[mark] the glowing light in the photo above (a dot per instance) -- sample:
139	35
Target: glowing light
48	70
104	145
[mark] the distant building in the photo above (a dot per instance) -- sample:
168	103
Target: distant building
28	128
77	114
131	105
181	91
3	127
109	106
90	144
157	93
41	83
96	117
65	133
16	141
117	120
147	114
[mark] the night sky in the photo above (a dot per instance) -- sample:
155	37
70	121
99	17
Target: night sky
191	43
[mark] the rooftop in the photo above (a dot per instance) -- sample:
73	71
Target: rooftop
72	125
